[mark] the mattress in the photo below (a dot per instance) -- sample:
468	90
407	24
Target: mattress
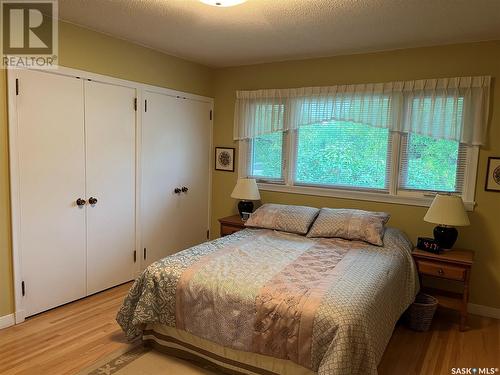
325	306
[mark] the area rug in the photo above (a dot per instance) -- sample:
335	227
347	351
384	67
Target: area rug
141	360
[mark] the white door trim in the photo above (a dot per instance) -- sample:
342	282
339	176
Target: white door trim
15	196
20	313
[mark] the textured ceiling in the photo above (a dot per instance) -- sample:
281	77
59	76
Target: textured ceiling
275	30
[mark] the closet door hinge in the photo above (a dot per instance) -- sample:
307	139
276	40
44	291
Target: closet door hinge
145	253
135	256
135	104
17	86
210	114
208	234
23	288
145	105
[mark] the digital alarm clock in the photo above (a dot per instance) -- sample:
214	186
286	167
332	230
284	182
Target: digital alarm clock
428	244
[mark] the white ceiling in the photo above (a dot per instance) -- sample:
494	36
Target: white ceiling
274	30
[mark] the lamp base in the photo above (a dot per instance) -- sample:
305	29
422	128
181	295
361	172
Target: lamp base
445	236
245	206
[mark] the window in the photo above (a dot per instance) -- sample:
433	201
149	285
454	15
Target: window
344	155
352	158
432	164
266	157
396	142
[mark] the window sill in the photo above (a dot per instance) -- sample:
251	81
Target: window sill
423	201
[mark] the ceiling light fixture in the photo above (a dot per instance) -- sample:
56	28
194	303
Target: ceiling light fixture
223	3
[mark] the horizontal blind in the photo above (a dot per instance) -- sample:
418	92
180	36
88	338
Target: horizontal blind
339	154
434	165
265	159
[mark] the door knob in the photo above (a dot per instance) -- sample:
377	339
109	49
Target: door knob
80	202
177	191
184	189
92	200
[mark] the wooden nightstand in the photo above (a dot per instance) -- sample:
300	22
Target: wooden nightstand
231	224
452	265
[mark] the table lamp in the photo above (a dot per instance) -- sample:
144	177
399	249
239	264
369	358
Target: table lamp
448	212
246	189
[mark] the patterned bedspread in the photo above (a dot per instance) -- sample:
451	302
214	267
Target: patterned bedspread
329	305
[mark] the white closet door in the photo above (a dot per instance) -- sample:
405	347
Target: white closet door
50	145
110	155
175	153
194	169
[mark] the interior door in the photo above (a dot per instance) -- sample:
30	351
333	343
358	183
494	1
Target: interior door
175	154
50	134
110	184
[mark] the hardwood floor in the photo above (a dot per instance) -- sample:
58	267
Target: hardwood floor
66	339
443	347
69	338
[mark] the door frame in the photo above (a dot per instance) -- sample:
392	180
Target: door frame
12	75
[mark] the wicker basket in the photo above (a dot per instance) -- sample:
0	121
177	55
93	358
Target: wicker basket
420	313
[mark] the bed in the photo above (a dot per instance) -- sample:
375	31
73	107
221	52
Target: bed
263	301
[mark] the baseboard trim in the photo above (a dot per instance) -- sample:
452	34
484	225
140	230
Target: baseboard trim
7	321
487	311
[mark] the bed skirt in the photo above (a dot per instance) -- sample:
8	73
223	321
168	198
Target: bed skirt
182	344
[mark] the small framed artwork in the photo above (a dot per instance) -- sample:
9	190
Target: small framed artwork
493	174
224	159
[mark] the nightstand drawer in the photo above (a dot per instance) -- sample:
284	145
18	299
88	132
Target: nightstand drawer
226	230
445	271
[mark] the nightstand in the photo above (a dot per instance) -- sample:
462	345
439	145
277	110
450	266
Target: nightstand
230	225
452	265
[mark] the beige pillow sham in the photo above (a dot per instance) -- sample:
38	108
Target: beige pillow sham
286	218
351	225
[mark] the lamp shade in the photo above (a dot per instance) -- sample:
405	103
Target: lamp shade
447	210
246	188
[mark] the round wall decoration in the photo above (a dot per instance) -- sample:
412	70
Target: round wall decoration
224	159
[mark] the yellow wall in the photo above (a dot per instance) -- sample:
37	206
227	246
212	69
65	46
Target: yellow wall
457	60
88	50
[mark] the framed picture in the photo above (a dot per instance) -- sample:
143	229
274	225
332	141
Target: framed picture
224	159
493	174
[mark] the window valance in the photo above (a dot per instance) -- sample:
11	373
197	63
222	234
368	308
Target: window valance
447	108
